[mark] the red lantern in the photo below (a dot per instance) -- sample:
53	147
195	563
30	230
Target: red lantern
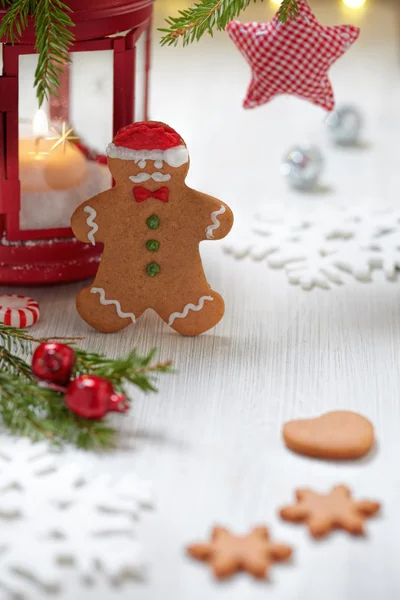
42	180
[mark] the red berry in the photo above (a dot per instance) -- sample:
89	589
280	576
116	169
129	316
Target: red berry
92	397
53	362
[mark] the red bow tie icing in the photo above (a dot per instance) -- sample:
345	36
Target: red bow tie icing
141	193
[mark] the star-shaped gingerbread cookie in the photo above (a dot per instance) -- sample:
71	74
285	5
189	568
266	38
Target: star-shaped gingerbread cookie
228	553
324	512
292	57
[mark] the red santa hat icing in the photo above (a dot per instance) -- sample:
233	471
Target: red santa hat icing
149	141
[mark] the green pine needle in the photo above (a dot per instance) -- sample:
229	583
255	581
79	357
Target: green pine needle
16	18
134	369
53	38
207	15
40	413
289	9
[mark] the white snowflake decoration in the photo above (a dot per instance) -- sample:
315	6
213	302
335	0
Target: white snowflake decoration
53	515
316	250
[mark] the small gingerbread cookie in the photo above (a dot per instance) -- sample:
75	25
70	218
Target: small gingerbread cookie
324	512
227	553
151	224
338	435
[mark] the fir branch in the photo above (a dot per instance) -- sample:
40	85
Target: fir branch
11	363
133	369
40	413
200	18
53	38
16	18
207	15
21	340
289	9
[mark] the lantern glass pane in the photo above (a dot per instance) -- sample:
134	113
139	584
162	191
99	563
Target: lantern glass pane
91	97
58	168
140	78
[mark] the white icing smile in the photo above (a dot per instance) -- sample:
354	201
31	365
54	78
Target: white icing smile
141	177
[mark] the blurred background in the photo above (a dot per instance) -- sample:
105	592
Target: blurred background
199	90
236	153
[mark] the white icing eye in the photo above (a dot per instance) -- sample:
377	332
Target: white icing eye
142	164
158	164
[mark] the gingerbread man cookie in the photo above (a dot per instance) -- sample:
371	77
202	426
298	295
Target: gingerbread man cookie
151	224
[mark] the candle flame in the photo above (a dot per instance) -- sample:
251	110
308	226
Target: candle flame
40	124
354	3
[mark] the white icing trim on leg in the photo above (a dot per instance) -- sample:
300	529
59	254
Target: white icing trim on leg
194	307
216	223
105	302
91	223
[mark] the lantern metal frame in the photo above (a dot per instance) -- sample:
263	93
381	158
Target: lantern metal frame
53	255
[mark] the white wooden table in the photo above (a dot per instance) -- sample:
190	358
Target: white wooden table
211	439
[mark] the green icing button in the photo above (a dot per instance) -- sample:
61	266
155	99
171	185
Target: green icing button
153	222
152	269
152	245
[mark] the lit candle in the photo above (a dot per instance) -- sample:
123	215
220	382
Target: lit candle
49	163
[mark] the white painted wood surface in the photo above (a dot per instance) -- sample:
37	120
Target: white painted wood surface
211	439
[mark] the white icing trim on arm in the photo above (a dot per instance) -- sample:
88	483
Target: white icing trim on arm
90	221
175	157
194	307
216	223
105	302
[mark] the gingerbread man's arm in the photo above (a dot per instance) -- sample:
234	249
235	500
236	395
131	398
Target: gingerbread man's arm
215	218
87	220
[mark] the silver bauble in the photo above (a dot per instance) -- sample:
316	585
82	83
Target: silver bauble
344	125
302	166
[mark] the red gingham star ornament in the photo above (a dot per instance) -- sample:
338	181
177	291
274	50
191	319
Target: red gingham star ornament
292	57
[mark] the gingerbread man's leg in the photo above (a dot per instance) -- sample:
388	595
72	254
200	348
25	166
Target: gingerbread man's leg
102	313
194	313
